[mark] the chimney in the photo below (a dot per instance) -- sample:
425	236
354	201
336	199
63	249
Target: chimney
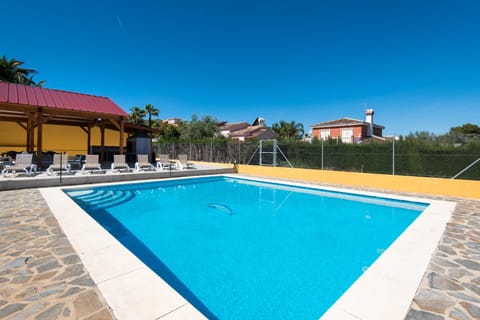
369	119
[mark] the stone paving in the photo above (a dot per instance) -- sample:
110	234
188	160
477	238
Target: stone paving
450	288
41	276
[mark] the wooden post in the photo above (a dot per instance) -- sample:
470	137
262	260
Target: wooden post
122	128
89	135
39	137
102	143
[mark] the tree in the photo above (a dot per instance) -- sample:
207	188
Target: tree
467	128
207	127
11	71
288	130
166	131
150	110
136	115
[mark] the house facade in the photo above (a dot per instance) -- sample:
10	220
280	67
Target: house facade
349	130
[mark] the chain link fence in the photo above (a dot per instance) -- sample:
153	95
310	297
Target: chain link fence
399	158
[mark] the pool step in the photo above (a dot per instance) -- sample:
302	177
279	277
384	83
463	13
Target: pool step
102	199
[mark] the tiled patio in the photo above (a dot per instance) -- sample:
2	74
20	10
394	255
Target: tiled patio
41	277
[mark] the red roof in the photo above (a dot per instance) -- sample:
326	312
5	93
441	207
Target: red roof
342	123
56	99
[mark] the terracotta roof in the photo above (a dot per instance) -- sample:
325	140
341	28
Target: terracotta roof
251	132
235	126
342	123
11	93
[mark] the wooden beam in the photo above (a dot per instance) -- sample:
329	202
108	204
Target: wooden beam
84	129
115	123
22	125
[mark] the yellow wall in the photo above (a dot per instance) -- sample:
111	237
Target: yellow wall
436	186
72	140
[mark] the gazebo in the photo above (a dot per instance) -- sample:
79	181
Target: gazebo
33	107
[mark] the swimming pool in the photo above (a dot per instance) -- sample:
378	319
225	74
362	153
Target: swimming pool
239	248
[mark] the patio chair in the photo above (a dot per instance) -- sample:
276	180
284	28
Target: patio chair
60	163
183	162
119	163
142	163
164	162
23	161
91	163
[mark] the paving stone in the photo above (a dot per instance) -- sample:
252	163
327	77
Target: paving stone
85	281
470	264
50	313
71	272
29	311
45	275
18	262
444	263
459	273
466	297
437	281
21	279
101	315
457	314
473	310
11	309
422	315
48	266
71	291
433	301
66	312
472	287
447	249
87	303
71	259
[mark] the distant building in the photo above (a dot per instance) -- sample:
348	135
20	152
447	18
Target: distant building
349	130
173	121
243	131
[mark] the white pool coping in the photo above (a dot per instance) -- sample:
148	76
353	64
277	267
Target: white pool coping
133	291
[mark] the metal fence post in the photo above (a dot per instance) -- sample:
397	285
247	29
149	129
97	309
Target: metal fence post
211	151
322	154
393	156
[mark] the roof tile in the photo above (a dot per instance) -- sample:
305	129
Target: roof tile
57	99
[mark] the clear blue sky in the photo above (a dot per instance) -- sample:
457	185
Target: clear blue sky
417	63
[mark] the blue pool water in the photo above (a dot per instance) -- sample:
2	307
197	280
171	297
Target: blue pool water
243	249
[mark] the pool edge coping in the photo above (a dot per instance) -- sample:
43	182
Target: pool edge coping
355	303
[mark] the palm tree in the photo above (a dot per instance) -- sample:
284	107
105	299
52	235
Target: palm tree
151	111
11	71
136	115
288	130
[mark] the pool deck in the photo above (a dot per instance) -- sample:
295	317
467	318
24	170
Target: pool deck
43	277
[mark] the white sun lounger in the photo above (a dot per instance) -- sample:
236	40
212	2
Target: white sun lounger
23	161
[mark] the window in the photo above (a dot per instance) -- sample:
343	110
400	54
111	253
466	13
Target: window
347	134
324	134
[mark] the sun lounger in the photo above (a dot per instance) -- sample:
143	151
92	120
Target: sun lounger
164	162
91	163
60	163
183	162
23	161
142	163
119	163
